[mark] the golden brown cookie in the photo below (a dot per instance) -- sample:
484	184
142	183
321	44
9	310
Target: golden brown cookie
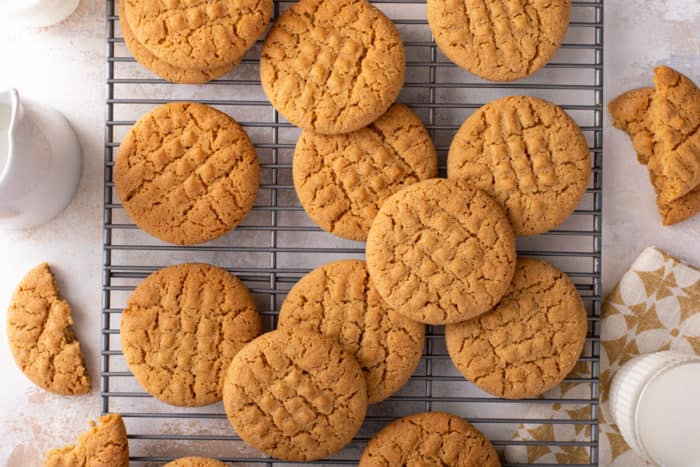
181	328
528	154
186	173
440	251
342	180
41	337
629	113
195	462
295	394
499	40
429	439
104	445
332	66
164	69
340	301
529	342
198	35
674	121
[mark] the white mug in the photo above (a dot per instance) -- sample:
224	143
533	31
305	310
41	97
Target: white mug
36	13
40	162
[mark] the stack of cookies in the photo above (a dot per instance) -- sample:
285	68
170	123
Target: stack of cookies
663	125
192	42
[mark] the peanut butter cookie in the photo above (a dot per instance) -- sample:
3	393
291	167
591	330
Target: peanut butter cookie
164	69
199	35
295	394
195	462
440	251
499	41
529	155
332	66
181	328
342	180
104	445
529	342
340	301
186	173
41	337
629	113
429	439
674	121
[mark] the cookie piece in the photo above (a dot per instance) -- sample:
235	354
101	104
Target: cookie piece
440	251
295	394
198	35
629	113
41	337
164	69
105	444
340	301
332	67
186	173
195	462
342	180
681	209
429	438
181	328
530	341
499	41
529	155
674	121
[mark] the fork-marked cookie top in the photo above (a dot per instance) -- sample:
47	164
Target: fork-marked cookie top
529	155
441	251
186	173
499	40
332	66
295	394
198	34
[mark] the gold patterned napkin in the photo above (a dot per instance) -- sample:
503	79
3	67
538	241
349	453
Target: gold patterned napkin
655	306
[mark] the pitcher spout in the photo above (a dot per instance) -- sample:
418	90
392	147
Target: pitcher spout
10	111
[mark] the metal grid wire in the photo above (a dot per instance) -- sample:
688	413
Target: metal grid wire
277	243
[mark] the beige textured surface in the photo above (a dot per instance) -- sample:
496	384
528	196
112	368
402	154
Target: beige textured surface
41	337
629	113
340	301
295	395
186	173
527	153
674	120
198	34
430	439
332	66
161	68
195	462
182	327
441	251
342	180
104	445
530	341
499	40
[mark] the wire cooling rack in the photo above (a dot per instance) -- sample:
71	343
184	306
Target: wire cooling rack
277	243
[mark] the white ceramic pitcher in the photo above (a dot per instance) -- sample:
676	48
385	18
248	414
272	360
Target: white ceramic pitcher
40	162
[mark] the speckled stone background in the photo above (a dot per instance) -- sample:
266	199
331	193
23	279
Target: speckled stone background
64	66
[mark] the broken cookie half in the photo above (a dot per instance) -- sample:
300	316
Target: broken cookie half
41	337
663	125
104	445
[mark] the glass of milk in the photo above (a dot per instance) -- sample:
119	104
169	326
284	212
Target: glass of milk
654	400
36	13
